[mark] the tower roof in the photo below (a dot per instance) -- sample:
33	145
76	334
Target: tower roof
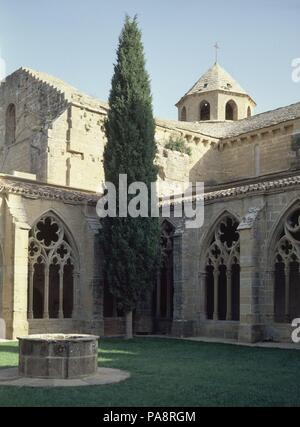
216	78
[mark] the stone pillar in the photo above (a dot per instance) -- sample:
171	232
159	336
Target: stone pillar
250	330
46	293
216	294
20	281
30	302
181	326
61	292
287	292
202	295
229	294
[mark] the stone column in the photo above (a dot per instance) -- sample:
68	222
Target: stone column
180	326
287	292
229	294
216	293
30	302
158	284
250	329
202	295
20	281
269	296
46	293
76	284
61	293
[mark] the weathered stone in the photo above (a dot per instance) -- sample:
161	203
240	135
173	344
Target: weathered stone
53	356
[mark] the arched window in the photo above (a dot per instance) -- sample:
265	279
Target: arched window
287	270
231	111
249	112
183	114
223	272
52	269
10	124
165	283
204	110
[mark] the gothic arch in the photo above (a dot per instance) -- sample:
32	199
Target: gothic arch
275	230
231	110
284	261
60	217
53	266
221	266
204	241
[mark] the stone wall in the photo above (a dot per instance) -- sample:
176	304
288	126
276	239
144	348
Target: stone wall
265	211
37	105
17	217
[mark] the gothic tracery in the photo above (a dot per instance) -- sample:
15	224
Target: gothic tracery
51	270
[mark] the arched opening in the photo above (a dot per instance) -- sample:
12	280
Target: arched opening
231	112
183	114
204	111
223	272
164	291
10	124
53	268
249	112
287	270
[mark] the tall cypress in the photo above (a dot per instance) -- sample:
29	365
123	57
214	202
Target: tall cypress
131	245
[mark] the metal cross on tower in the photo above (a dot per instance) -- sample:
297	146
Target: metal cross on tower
217	47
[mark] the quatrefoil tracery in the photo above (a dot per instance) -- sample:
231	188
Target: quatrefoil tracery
224	249
288	247
48	244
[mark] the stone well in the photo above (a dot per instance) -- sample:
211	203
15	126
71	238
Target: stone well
58	356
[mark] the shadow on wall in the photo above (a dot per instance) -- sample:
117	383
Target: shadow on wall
2	329
207	168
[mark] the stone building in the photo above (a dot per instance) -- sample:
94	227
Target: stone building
236	277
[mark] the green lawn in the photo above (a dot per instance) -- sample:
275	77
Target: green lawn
168	372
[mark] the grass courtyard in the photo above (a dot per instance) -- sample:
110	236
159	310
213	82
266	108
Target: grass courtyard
166	372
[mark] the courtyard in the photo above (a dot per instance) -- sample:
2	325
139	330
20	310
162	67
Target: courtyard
171	372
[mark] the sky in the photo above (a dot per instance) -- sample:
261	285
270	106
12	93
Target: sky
76	41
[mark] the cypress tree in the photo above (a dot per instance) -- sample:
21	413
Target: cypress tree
131	245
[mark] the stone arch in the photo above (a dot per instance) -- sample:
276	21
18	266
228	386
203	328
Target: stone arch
183	115
204	111
53	266
231	110
275	230
221	268
284	262
204	242
10	124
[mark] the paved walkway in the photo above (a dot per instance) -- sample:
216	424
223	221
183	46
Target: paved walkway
282	345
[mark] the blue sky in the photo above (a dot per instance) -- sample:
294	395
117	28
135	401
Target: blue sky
76	41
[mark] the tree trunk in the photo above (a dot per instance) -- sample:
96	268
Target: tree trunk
129	333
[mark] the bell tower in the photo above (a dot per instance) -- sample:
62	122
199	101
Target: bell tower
216	96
